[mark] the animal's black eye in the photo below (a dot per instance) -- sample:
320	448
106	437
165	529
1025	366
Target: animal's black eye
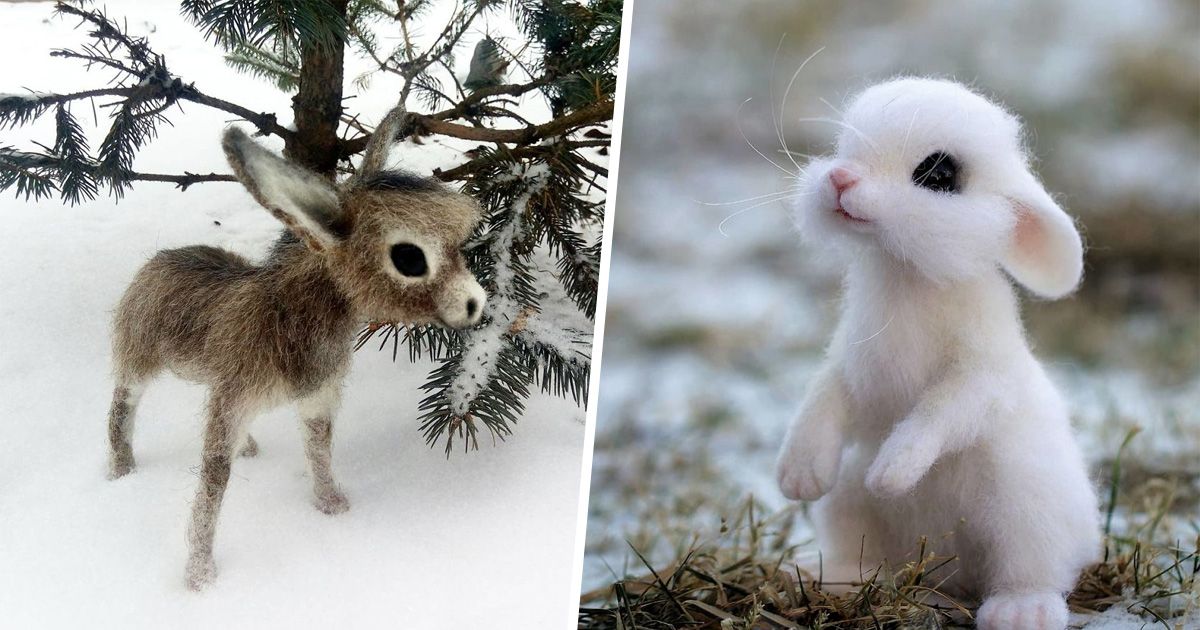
938	172
409	259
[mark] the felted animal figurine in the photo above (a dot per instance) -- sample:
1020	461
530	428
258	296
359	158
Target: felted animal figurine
384	246
931	416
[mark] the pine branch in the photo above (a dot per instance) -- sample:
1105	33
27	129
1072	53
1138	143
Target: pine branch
78	181
11	106
145	76
285	25
144	89
596	114
562	373
111	38
480	166
468	105
498	405
445	43
32	180
265	122
578	265
283	71
181	181
50	170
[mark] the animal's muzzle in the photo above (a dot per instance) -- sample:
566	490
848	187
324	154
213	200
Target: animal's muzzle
462	304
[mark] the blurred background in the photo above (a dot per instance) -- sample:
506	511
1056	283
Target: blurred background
710	338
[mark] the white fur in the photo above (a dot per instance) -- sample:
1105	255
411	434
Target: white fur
931	417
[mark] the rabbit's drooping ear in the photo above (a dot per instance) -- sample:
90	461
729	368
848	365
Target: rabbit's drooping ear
301	200
1045	252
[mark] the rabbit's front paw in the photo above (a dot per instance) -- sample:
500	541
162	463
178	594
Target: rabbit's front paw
1032	611
902	461
807	474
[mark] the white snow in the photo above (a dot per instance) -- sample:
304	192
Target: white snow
1119	617
484	539
30	97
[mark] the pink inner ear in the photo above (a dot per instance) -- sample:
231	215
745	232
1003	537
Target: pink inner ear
1029	239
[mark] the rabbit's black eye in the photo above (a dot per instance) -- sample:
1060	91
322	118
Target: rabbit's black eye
409	259
938	172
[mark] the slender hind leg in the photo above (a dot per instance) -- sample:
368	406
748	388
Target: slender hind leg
120	428
1040	535
316	413
225	412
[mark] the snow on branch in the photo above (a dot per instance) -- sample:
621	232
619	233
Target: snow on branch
483	346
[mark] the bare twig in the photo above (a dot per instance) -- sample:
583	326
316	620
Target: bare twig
182	181
591	115
595	114
415	66
467	169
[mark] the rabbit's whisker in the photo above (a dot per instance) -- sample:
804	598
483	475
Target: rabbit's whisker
721	225
830	106
796	153
780	194
777	117
783	103
737	120
908	133
877	333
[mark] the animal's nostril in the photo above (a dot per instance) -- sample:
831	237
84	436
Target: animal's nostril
472	307
842	179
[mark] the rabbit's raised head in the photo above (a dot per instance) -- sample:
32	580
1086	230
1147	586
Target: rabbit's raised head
392	240
934	176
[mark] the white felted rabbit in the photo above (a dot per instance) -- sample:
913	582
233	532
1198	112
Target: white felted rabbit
931	417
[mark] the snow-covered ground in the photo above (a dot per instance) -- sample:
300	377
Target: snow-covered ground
483	539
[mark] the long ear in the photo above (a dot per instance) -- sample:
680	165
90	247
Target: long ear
376	154
301	200
1045	252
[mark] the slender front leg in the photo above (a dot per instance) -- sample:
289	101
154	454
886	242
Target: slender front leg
120	425
808	463
316	415
948	418
225	412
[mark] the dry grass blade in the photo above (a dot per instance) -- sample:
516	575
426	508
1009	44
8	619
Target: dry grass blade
744	579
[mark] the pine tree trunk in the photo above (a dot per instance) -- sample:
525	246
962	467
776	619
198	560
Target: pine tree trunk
317	106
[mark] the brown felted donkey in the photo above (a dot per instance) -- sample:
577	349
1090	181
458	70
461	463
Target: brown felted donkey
384	246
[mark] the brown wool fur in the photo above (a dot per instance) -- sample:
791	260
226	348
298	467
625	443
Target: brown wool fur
282	332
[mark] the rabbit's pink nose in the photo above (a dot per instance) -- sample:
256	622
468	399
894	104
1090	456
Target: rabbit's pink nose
842	179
